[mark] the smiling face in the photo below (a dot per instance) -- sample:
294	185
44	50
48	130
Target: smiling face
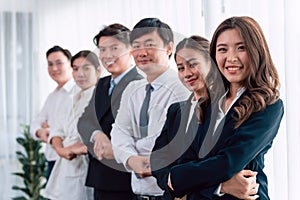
84	73
150	53
192	70
59	68
114	55
232	57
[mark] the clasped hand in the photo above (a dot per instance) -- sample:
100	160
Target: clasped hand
140	165
242	185
70	152
102	146
43	132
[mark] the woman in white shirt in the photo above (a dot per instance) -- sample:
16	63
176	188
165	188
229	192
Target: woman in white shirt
69	172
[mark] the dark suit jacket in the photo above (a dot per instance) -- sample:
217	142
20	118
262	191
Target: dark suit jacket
235	150
172	146
99	115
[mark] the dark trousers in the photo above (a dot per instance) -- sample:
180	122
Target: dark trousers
112	195
49	168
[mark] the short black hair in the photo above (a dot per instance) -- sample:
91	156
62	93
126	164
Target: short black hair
119	31
148	25
57	48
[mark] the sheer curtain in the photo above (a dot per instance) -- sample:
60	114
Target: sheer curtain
16	75
30	27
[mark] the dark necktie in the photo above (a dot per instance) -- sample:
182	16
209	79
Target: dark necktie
144	112
112	86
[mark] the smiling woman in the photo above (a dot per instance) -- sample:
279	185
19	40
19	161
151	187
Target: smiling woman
234	52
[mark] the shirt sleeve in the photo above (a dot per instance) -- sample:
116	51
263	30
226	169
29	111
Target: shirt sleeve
162	152
39	119
57	132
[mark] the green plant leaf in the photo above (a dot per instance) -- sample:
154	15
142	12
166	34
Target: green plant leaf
19	198
20	154
22	175
33	166
25	190
21	141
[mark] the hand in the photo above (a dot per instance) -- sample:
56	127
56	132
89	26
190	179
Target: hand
102	146
78	148
65	152
140	165
43	134
242	185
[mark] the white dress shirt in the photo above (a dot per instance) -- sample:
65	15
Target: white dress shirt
67	180
193	106
125	135
56	108
221	114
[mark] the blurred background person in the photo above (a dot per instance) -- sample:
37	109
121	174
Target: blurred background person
70	169
57	105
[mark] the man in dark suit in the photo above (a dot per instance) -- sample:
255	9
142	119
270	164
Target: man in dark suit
109	179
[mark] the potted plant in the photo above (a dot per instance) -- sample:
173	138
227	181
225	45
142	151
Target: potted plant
33	163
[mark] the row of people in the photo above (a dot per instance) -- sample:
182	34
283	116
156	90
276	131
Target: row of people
208	144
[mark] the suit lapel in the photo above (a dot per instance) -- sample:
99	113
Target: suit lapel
229	115
117	92
102	100
186	130
212	139
189	128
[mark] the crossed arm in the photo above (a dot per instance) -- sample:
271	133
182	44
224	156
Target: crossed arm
232	154
241	184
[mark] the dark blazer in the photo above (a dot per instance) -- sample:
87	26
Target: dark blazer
172	146
99	115
235	150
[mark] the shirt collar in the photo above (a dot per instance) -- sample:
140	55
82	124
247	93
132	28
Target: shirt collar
238	95
240	92
69	85
87	91
118	78
83	94
164	77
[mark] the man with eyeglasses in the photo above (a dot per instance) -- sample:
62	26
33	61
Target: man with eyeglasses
144	105
57	103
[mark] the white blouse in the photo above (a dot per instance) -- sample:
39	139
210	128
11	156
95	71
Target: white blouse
67	180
